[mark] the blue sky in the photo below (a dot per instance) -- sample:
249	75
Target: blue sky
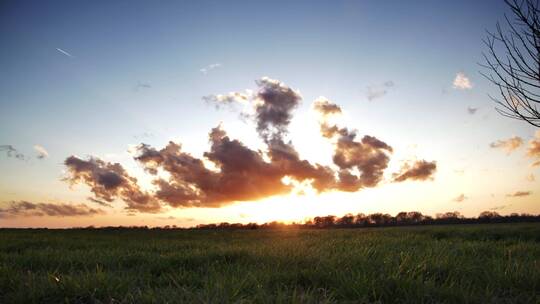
132	73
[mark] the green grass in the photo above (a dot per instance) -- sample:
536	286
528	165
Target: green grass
437	264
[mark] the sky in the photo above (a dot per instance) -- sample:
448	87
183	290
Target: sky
245	91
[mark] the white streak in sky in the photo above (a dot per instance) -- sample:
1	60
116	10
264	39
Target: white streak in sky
64	52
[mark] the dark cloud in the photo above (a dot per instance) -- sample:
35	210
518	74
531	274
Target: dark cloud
472	110
420	170
243	174
369	155
519	194
274	104
378	90
25	209
12	152
108	181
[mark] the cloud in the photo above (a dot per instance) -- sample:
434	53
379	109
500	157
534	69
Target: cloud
420	170
462	82
368	155
325	108
472	110
99	202
25	209
142	85
108	181
12	152
519	194
64	52
210	67
460	198
509	144
378	90
531	178
41	151
533	150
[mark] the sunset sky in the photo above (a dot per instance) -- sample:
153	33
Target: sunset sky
278	110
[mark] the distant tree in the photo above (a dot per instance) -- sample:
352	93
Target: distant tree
347	220
513	62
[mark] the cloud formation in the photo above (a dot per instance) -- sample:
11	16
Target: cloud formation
379	90
108	181
519	194
41	152
210	67
369	156
509	145
462	82
238	173
419	170
26	209
12	152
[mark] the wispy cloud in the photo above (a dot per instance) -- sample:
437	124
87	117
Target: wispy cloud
64	52
210	67
142	85
462	82
519	194
41	151
25	209
500	207
379	90
509	144
12	152
99	202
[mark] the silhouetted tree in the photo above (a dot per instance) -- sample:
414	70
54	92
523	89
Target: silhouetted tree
513	62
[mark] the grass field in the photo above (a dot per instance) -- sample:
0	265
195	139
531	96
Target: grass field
497	263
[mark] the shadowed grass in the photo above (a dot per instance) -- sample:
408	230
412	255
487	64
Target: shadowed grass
438	264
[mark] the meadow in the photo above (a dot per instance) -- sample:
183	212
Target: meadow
483	263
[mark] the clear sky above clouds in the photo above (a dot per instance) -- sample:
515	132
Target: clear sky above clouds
97	78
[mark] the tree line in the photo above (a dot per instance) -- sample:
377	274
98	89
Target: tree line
383	220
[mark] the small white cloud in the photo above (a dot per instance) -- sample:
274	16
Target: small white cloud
210	67
462	82
42	152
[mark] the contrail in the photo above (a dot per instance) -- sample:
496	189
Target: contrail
64	52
